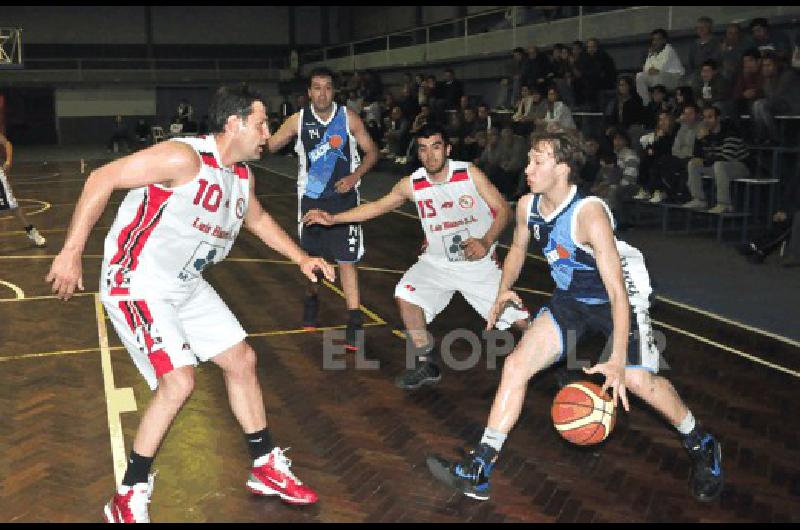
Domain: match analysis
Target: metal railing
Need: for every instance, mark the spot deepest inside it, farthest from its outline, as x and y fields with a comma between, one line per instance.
x=156, y=64
x=508, y=17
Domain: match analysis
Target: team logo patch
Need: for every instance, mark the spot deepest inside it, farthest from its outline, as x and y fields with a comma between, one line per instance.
x=454, y=245
x=203, y=256
x=466, y=202
x=240, y=208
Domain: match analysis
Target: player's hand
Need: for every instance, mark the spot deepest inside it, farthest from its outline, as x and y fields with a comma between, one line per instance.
x=311, y=266
x=65, y=274
x=318, y=217
x=503, y=300
x=475, y=249
x=615, y=379
x=346, y=184
x=6, y=167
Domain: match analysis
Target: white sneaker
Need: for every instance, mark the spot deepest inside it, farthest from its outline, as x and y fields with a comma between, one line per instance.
x=37, y=238
x=658, y=197
x=721, y=208
x=129, y=504
x=696, y=204
x=642, y=195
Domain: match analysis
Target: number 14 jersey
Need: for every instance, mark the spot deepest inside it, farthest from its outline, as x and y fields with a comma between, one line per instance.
x=163, y=238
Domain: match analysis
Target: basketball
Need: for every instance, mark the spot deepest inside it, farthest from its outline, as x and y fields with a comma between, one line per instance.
x=582, y=414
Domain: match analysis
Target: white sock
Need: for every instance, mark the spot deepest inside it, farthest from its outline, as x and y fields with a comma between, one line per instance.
x=687, y=425
x=493, y=438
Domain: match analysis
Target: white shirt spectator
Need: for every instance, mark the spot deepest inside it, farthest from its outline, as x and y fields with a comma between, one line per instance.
x=560, y=115
x=665, y=61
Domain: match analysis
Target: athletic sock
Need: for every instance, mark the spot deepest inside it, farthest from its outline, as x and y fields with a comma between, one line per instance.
x=138, y=469
x=493, y=438
x=260, y=443
x=691, y=432
x=354, y=316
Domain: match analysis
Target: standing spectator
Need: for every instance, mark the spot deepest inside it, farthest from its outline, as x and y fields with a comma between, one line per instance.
x=712, y=88
x=397, y=136
x=422, y=90
x=120, y=137
x=768, y=40
x=723, y=157
x=626, y=109
x=657, y=151
x=463, y=103
x=434, y=98
x=520, y=71
x=421, y=119
x=781, y=96
x=556, y=114
x=748, y=87
x=732, y=48
x=451, y=90
x=409, y=103
x=662, y=66
x=585, y=87
x=455, y=134
x=538, y=69
x=562, y=73
x=598, y=73
x=503, y=99
x=705, y=47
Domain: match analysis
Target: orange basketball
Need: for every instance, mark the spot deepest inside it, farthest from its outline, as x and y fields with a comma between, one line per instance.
x=582, y=415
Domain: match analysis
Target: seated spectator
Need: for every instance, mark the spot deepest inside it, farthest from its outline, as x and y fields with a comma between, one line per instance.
x=463, y=104
x=673, y=170
x=409, y=103
x=723, y=156
x=749, y=84
x=455, y=133
x=662, y=66
x=781, y=96
x=658, y=104
x=470, y=128
x=484, y=118
x=684, y=95
x=503, y=159
x=397, y=133
x=607, y=182
x=480, y=143
x=705, y=47
x=626, y=109
x=556, y=114
x=769, y=40
x=657, y=152
x=421, y=119
x=712, y=88
x=591, y=165
x=527, y=107
x=627, y=159
x=120, y=137
x=562, y=76
x=519, y=73
x=373, y=112
x=733, y=46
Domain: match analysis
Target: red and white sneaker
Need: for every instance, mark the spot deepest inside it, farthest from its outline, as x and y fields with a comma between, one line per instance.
x=271, y=475
x=129, y=504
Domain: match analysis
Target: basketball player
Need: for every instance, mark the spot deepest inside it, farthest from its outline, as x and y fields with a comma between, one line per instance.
x=601, y=284
x=462, y=215
x=189, y=198
x=328, y=177
x=7, y=200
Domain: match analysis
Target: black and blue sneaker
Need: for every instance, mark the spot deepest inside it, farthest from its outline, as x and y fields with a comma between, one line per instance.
x=706, y=478
x=471, y=476
x=355, y=326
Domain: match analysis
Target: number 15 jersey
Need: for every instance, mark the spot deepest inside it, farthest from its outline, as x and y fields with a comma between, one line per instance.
x=163, y=238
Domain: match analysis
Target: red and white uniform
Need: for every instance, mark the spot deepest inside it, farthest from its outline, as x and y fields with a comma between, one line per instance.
x=151, y=280
x=451, y=213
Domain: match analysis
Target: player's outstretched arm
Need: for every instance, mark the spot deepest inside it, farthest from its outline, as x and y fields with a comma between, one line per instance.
x=284, y=134
x=264, y=227
x=476, y=249
x=400, y=193
x=512, y=265
x=594, y=229
x=168, y=163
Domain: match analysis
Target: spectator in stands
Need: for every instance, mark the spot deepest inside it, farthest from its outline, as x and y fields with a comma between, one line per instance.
x=451, y=90
x=705, y=47
x=557, y=114
x=607, y=183
x=409, y=103
x=749, y=86
x=355, y=102
x=594, y=73
x=673, y=170
x=176, y=125
x=435, y=100
x=658, y=104
x=142, y=133
x=397, y=134
x=373, y=119
x=585, y=87
x=463, y=104
x=484, y=118
x=591, y=165
x=409, y=83
x=503, y=159
x=184, y=112
x=626, y=109
x=733, y=46
x=503, y=98
x=684, y=95
x=373, y=86
x=657, y=152
x=781, y=96
x=421, y=119
x=562, y=76
x=526, y=114
x=422, y=90
x=480, y=138
x=455, y=133
x=712, y=88
x=662, y=66
x=470, y=128
x=723, y=155
x=538, y=69
x=627, y=160
x=203, y=128
x=766, y=39
x=520, y=71
x=386, y=108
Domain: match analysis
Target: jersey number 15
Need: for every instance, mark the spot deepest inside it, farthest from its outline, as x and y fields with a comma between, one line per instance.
x=426, y=209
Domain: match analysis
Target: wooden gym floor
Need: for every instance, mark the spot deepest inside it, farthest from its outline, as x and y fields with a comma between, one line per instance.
x=71, y=400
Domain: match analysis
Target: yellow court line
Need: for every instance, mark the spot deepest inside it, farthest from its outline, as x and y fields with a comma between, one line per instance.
x=315, y=330
x=52, y=354
x=45, y=297
x=17, y=291
x=45, y=206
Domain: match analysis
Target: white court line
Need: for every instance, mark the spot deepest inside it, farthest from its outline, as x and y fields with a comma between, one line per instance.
x=17, y=291
x=118, y=400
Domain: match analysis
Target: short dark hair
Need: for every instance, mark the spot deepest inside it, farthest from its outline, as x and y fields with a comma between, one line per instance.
x=691, y=105
x=449, y=71
x=622, y=134
x=430, y=76
x=753, y=53
x=760, y=21
x=520, y=50
x=660, y=31
x=231, y=101
x=660, y=88
x=710, y=62
x=321, y=71
x=771, y=55
x=567, y=149
x=432, y=129
x=706, y=20
x=716, y=110
x=483, y=105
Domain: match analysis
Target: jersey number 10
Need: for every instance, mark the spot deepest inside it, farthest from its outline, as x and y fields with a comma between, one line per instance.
x=213, y=196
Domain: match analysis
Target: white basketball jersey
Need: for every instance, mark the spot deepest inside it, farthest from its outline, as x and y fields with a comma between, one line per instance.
x=451, y=212
x=163, y=238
